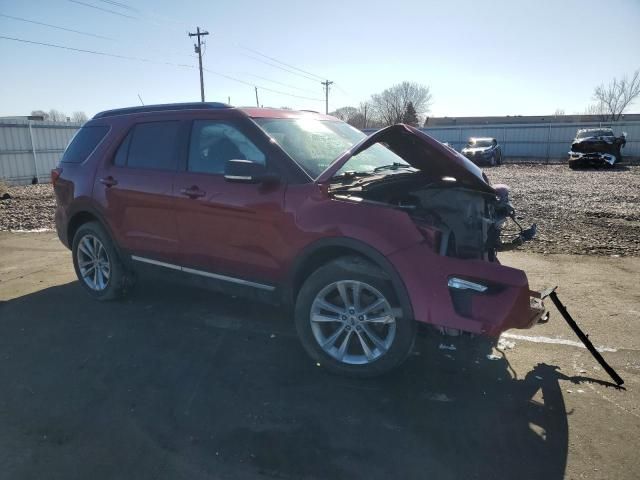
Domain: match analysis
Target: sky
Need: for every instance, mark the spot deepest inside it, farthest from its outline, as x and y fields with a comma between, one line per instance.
x=502, y=57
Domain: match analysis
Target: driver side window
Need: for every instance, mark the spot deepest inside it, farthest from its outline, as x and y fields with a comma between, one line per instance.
x=214, y=142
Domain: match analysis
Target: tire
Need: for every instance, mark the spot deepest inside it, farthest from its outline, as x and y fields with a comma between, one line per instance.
x=105, y=279
x=492, y=160
x=388, y=340
x=500, y=158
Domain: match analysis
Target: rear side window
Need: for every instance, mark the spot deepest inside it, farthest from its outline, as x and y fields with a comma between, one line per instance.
x=152, y=145
x=83, y=143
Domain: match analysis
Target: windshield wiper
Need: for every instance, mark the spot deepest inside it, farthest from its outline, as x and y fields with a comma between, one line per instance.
x=392, y=166
x=350, y=174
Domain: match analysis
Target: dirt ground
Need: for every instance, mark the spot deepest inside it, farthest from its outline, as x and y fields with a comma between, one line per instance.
x=594, y=212
x=181, y=383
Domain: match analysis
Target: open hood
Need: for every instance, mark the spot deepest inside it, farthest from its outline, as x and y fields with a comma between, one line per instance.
x=420, y=151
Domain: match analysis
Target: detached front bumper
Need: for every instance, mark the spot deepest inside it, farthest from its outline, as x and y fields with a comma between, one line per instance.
x=470, y=295
x=592, y=159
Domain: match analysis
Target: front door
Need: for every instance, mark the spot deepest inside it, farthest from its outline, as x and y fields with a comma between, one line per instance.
x=229, y=229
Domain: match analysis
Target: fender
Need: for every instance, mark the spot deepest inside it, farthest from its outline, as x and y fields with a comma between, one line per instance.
x=87, y=206
x=293, y=280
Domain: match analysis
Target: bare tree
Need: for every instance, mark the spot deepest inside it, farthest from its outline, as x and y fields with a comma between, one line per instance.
x=597, y=110
x=57, y=115
x=345, y=113
x=391, y=105
x=618, y=95
x=79, y=117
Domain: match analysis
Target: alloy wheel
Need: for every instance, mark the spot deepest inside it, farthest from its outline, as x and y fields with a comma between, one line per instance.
x=93, y=263
x=353, y=322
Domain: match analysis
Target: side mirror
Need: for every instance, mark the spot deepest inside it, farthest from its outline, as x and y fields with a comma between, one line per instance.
x=246, y=171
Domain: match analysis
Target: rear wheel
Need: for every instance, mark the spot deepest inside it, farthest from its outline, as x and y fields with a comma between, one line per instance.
x=349, y=320
x=97, y=263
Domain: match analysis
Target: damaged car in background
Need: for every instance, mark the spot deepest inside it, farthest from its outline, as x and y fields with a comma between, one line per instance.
x=596, y=147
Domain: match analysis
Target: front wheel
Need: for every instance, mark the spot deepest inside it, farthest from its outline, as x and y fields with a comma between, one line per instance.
x=492, y=160
x=349, y=319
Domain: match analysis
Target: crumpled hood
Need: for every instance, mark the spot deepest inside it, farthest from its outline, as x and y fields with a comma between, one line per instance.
x=604, y=144
x=421, y=152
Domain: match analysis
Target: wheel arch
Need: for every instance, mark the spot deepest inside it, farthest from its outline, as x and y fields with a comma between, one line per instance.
x=322, y=251
x=82, y=216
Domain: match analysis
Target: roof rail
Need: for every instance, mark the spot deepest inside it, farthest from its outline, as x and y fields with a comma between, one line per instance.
x=162, y=108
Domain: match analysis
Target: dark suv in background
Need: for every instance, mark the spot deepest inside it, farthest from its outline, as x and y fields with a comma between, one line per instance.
x=360, y=236
x=483, y=151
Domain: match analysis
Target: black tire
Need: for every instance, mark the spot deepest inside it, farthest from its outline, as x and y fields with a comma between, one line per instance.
x=353, y=268
x=492, y=160
x=499, y=158
x=118, y=280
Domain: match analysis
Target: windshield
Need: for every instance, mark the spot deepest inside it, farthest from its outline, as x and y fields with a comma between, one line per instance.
x=479, y=142
x=594, y=133
x=315, y=144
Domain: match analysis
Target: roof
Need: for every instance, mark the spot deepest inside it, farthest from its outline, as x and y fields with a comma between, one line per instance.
x=475, y=139
x=256, y=112
x=162, y=108
x=595, y=129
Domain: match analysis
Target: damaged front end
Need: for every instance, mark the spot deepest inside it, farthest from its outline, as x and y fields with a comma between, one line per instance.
x=596, y=148
x=443, y=192
x=463, y=220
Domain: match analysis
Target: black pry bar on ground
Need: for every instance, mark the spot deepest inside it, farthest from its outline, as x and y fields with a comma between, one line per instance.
x=584, y=338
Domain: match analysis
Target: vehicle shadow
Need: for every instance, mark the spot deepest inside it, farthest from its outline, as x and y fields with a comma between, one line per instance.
x=182, y=383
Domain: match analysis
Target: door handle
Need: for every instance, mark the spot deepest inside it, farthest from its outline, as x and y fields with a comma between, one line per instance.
x=108, y=181
x=193, y=192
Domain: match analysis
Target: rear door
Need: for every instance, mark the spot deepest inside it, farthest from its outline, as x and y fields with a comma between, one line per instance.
x=137, y=189
x=229, y=229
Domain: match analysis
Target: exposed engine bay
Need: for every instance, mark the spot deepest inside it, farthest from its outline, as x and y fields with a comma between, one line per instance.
x=466, y=223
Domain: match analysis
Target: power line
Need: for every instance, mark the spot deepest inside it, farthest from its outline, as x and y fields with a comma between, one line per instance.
x=279, y=83
x=260, y=87
x=104, y=9
x=159, y=62
x=317, y=77
x=20, y=19
x=121, y=5
x=95, y=52
x=279, y=67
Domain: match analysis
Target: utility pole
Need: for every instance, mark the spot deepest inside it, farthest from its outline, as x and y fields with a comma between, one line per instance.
x=326, y=84
x=257, y=102
x=198, y=50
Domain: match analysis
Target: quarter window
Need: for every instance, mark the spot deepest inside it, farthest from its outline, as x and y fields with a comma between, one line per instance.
x=83, y=143
x=213, y=143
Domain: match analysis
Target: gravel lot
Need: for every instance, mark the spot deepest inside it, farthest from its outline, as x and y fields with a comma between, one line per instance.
x=594, y=212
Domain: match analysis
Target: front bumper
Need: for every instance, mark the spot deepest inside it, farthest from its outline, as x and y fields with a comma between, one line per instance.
x=592, y=159
x=506, y=303
x=478, y=158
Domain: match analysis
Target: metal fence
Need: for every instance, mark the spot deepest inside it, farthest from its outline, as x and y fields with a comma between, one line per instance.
x=30, y=149
x=538, y=142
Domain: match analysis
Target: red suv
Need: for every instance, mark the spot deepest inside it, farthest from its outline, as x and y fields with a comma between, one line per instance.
x=362, y=237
